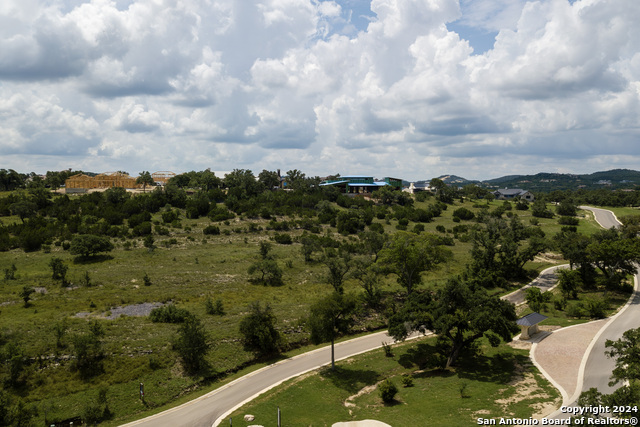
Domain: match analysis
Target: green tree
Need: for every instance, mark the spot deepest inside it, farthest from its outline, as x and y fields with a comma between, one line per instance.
x=614, y=255
x=145, y=179
x=330, y=316
x=310, y=245
x=89, y=354
x=338, y=264
x=191, y=344
x=296, y=180
x=536, y=299
x=569, y=282
x=266, y=272
x=149, y=243
x=539, y=209
x=566, y=208
x=409, y=254
x=461, y=313
x=24, y=209
x=58, y=269
x=269, y=179
x=242, y=184
x=258, y=331
x=25, y=294
x=87, y=245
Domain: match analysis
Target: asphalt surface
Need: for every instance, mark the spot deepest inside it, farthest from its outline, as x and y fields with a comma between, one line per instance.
x=596, y=366
x=218, y=404
x=214, y=407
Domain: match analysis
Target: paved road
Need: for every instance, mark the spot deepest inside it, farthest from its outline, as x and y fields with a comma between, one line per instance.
x=605, y=218
x=216, y=405
x=597, y=366
x=545, y=281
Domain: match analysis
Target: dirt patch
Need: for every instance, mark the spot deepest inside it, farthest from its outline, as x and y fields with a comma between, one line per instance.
x=525, y=385
x=366, y=390
x=548, y=257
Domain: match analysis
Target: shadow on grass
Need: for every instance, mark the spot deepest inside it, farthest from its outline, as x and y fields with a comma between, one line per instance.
x=351, y=380
x=497, y=369
x=91, y=259
x=423, y=356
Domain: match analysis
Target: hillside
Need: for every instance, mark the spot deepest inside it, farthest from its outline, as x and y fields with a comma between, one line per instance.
x=547, y=182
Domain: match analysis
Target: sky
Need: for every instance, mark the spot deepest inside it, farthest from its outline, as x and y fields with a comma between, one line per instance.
x=412, y=89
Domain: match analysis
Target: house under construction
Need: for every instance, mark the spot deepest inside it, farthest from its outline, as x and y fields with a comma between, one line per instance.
x=78, y=183
x=162, y=177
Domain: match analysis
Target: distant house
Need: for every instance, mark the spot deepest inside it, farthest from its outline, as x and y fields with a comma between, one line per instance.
x=512, y=193
x=360, y=184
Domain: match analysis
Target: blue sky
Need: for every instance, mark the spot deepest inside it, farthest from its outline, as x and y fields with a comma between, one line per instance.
x=407, y=88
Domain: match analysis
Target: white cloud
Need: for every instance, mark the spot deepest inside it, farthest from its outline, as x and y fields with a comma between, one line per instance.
x=224, y=84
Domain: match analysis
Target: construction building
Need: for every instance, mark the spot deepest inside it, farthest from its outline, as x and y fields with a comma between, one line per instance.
x=81, y=183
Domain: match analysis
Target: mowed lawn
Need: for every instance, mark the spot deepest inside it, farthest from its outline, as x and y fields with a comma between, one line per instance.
x=500, y=382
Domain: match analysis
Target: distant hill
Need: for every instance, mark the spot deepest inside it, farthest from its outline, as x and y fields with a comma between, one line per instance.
x=546, y=182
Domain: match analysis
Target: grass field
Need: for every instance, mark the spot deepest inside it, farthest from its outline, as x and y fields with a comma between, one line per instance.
x=186, y=272
x=500, y=383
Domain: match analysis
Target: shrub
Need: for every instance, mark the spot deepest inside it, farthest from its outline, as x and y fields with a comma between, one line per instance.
x=89, y=245
x=169, y=314
x=191, y=344
x=596, y=308
x=464, y=214
x=283, y=239
x=258, y=330
x=387, y=390
x=211, y=229
x=568, y=220
x=214, y=308
x=407, y=380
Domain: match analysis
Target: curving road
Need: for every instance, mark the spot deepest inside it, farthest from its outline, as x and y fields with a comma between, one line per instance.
x=596, y=366
x=214, y=407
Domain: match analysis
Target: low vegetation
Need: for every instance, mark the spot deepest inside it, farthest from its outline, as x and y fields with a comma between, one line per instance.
x=104, y=291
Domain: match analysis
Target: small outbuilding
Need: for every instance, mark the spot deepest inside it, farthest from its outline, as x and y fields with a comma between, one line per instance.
x=529, y=324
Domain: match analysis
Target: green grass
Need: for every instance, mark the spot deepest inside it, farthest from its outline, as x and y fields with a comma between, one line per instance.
x=196, y=268
x=492, y=386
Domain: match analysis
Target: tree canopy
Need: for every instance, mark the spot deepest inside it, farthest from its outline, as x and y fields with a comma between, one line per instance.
x=409, y=254
x=461, y=312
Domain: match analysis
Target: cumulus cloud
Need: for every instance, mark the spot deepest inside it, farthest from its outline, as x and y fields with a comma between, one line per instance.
x=312, y=85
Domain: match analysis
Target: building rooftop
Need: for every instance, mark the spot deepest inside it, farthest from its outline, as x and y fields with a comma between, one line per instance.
x=531, y=319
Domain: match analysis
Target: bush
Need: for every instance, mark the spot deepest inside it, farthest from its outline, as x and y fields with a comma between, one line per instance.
x=283, y=239
x=258, y=330
x=407, y=380
x=575, y=310
x=568, y=220
x=464, y=214
x=87, y=245
x=211, y=229
x=169, y=314
x=191, y=344
x=387, y=390
x=596, y=308
x=214, y=308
